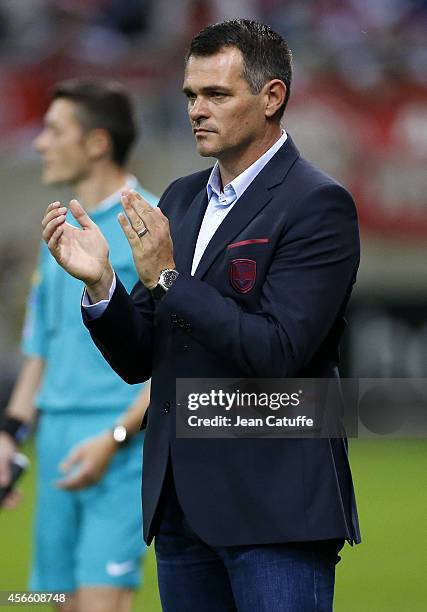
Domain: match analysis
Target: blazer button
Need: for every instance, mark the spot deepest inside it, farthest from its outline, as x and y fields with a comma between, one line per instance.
x=167, y=406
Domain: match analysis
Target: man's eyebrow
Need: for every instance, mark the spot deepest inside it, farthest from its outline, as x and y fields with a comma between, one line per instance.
x=208, y=90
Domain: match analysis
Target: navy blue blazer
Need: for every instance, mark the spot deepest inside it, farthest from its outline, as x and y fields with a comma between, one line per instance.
x=282, y=316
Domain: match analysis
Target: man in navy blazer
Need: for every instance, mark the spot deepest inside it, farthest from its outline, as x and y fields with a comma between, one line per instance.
x=245, y=271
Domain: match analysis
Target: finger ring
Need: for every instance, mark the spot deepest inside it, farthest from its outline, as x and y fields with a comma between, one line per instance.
x=142, y=232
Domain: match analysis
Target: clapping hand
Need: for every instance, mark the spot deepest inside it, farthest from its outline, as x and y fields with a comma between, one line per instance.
x=81, y=251
x=147, y=231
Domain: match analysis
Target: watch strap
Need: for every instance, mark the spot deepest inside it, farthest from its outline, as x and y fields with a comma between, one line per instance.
x=17, y=429
x=158, y=291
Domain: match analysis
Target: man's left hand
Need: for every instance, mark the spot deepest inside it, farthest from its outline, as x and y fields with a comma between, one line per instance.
x=152, y=250
x=90, y=460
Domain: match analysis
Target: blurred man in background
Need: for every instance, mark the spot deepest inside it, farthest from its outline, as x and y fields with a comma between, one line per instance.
x=87, y=527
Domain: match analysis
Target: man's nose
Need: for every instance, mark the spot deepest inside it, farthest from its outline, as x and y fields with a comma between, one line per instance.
x=39, y=142
x=198, y=109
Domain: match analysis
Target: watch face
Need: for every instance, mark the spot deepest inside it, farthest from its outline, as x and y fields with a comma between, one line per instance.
x=119, y=433
x=168, y=277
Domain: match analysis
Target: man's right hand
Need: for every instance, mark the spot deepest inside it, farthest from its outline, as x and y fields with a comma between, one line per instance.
x=7, y=451
x=82, y=252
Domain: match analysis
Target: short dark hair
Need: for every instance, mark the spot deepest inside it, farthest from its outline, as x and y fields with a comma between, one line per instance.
x=103, y=104
x=266, y=54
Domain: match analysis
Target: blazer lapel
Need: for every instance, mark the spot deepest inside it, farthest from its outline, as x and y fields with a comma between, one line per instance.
x=253, y=200
x=246, y=208
x=185, y=237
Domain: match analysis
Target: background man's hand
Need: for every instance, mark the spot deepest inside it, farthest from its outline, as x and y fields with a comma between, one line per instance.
x=82, y=252
x=90, y=460
x=7, y=451
x=12, y=500
x=152, y=252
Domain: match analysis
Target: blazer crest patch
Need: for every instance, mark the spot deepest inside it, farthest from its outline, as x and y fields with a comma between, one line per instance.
x=243, y=274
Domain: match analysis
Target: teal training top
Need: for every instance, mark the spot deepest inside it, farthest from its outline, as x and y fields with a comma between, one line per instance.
x=76, y=376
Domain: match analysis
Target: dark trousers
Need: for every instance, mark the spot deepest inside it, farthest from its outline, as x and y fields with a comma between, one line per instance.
x=196, y=577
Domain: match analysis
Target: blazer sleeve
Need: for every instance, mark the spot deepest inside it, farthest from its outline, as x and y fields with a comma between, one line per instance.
x=123, y=333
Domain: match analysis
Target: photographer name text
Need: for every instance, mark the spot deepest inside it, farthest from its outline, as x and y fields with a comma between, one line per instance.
x=238, y=421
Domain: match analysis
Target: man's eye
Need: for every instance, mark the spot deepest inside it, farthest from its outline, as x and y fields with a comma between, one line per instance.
x=217, y=94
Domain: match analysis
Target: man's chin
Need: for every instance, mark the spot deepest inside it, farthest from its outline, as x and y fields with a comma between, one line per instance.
x=205, y=151
x=50, y=180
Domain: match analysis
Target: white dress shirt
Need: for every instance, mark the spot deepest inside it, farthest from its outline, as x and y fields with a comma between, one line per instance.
x=220, y=202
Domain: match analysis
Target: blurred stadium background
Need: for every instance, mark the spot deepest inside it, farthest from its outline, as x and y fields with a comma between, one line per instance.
x=358, y=109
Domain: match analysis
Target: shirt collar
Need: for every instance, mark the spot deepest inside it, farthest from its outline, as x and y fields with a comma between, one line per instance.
x=243, y=180
x=130, y=183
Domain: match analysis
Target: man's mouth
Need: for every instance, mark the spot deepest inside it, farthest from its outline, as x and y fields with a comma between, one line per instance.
x=201, y=130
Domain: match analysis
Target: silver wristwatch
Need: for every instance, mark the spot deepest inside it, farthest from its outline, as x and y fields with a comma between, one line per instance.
x=166, y=280
x=120, y=435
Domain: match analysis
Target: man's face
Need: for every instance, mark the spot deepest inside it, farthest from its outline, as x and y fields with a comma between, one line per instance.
x=62, y=145
x=225, y=116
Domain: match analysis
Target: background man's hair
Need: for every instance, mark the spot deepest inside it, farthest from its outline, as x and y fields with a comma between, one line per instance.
x=103, y=104
x=266, y=54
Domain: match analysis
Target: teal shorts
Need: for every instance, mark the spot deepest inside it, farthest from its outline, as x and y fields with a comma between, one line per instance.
x=91, y=537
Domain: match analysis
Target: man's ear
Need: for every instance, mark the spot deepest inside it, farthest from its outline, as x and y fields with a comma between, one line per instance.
x=275, y=94
x=98, y=143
